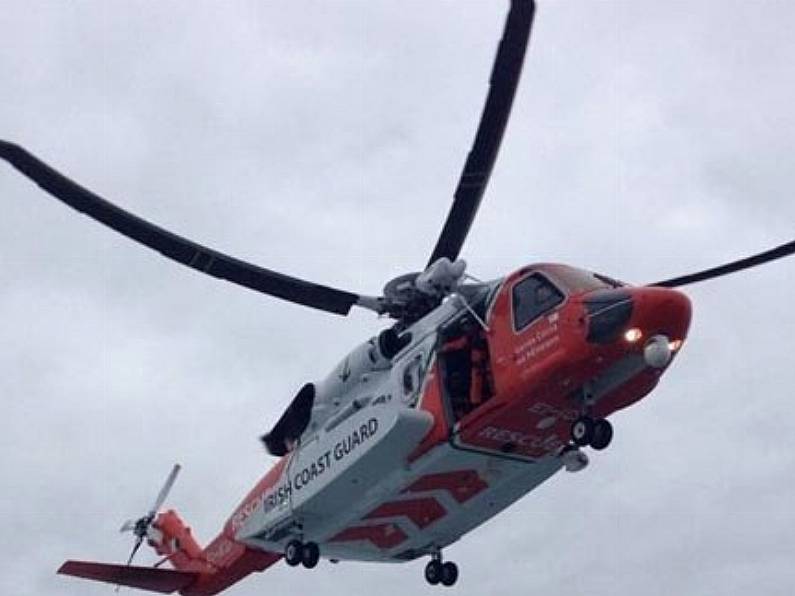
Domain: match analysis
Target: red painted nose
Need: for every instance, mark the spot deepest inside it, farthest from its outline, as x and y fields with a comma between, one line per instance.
x=661, y=311
x=636, y=313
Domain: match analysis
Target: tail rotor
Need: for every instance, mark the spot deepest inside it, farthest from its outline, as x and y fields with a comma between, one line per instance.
x=140, y=527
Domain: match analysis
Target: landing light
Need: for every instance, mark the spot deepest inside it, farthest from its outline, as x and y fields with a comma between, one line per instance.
x=633, y=335
x=675, y=344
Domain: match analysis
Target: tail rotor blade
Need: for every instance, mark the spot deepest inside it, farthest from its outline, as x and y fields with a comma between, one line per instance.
x=140, y=527
x=138, y=542
x=161, y=497
x=761, y=258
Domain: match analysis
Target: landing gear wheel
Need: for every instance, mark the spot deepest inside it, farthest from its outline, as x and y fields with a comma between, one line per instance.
x=293, y=553
x=602, y=434
x=582, y=431
x=449, y=573
x=310, y=555
x=433, y=572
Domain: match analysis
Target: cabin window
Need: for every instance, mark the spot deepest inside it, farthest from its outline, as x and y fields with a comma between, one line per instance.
x=382, y=399
x=532, y=297
x=412, y=377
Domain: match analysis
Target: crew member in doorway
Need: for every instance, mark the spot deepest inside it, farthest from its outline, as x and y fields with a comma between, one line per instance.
x=467, y=373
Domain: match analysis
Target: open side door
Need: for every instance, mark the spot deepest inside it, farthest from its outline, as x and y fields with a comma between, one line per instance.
x=292, y=424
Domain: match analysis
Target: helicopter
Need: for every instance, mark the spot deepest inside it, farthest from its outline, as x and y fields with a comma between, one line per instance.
x=478, y=393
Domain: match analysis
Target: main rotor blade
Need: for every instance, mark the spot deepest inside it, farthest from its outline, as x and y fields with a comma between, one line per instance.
x=161, y=496
x=178, y=248
x=480, y=161
x=758, y=259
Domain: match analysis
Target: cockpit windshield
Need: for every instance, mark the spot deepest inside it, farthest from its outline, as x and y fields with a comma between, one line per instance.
x=576, y=281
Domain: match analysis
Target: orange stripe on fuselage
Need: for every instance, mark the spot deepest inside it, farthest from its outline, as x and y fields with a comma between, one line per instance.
x=232, y=560
x=423, y=511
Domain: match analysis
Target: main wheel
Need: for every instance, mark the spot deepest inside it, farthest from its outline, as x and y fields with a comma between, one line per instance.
x=293, y=553
x=310, y=555
x=602, y=434
x=433, y=572
x=582, y=431
x=449, y=573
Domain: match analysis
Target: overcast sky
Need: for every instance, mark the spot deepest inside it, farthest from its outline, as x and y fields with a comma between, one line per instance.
x=324, y=139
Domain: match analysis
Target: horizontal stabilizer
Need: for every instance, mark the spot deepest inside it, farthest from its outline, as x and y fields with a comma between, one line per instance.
x=164, y=581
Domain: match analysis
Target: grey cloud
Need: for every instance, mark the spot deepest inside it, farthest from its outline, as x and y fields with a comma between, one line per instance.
x=324, y=139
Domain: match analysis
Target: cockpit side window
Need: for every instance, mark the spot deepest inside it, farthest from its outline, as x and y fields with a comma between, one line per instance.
x=532, y=297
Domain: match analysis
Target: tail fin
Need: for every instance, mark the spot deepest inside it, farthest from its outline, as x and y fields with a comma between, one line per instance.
x=164, y=581
x=172, y=539
x=196, y=572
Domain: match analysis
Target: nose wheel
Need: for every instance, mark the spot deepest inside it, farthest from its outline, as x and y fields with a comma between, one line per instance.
x=437, y=572
x=302, y=553
x=596, y=433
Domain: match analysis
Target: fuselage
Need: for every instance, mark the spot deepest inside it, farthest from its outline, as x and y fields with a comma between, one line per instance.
x=466, y=419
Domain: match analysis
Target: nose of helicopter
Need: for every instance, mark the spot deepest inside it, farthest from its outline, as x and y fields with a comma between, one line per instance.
x=656, y=318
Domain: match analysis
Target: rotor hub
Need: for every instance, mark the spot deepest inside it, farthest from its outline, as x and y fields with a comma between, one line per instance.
x=411, y=296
